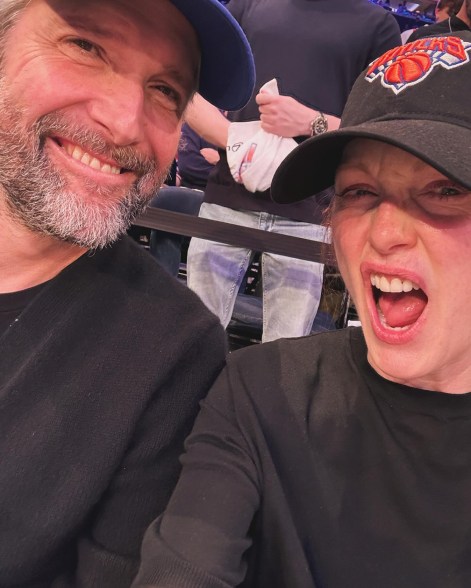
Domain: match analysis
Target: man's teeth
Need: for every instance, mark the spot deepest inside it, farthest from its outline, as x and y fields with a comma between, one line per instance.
x=80, y=155
x=392, y=284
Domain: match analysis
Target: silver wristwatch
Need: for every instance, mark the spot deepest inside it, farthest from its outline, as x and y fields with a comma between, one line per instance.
x=319, y=125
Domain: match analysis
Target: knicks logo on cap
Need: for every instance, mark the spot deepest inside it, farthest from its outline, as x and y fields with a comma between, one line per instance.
x=410, y=64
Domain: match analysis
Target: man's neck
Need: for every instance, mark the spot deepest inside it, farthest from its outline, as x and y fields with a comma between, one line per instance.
x=27, y=258
x=463, y=14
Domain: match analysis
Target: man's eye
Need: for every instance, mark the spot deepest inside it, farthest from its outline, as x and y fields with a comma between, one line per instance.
x=86, y=46
x=168, y=95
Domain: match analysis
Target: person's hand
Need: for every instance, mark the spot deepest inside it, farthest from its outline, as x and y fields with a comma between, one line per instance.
x=211, y=155
x=283, y=115
x=286, y=117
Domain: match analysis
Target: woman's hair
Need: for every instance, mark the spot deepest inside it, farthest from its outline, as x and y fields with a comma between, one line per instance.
x=9, y=13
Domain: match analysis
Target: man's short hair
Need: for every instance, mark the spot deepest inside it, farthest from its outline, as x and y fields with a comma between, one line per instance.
x=9, y=13
x=451, y=6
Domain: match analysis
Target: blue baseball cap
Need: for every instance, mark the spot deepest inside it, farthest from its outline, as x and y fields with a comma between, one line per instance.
x=227, y=76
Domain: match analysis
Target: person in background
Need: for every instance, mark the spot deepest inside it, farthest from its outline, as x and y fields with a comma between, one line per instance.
x=196, y=158
x=447, y=8
x=343, y=459
x=453, y=23
x=315, y=72
x=444, y=10
x=103, y=358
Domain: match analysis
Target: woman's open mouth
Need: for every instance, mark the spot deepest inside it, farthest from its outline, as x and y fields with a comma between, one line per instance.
x=399, y=302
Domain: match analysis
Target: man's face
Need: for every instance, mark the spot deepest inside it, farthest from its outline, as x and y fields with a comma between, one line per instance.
x=402, y=235
x=467, y=4
x=91, y=100
x=441, y=14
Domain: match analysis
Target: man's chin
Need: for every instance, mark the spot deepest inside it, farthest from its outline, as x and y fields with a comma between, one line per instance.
x=82, y=222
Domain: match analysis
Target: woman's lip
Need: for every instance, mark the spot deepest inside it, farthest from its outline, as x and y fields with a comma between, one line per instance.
x=394, y=336
x=368, y=269
x=390, y=335
x=383, y=333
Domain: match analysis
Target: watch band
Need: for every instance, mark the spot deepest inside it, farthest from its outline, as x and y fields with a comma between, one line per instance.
x=319, y=125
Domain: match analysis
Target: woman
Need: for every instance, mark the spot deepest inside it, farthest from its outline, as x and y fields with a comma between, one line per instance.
x=343, y=460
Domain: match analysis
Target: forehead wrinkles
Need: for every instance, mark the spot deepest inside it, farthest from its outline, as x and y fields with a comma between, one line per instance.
x=148, y=19
x=154, y=28
x=376, y=157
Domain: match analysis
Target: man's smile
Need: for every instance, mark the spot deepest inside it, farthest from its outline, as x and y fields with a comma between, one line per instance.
x=94, y=161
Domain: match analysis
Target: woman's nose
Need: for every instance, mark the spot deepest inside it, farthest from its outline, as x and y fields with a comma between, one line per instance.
x=392, y=227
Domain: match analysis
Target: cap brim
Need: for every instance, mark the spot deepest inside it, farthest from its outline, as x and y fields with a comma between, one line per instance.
x=311, y=167
x=227, y=76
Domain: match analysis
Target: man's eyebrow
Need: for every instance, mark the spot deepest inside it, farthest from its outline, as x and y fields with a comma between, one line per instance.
x=176, y=75
x=88, y=25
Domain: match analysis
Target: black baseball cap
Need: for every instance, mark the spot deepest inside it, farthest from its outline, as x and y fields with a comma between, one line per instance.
x=416, y=96
x=227, y=76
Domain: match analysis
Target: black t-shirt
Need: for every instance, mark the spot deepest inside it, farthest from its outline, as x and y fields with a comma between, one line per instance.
x=315, y=50
x=13, y=303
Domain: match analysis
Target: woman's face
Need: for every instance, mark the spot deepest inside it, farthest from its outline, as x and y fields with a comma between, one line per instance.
x=402, y=236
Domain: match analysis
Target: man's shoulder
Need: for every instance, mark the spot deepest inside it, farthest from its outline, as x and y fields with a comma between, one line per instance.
x=430, y=30
x=127, y=278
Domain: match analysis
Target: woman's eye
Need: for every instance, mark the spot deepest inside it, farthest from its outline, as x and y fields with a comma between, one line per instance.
x=354, y=193
x=447, y=191
x=358, y=197
x=444, y=190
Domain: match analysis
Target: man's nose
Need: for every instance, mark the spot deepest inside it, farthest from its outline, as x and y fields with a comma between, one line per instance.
x=392, y=227
x=119, y=109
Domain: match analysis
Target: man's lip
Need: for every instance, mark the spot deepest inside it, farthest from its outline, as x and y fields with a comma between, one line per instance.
x=103, y=159
x=98, y=175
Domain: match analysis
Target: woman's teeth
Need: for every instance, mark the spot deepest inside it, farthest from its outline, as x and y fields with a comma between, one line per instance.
x=392, y=284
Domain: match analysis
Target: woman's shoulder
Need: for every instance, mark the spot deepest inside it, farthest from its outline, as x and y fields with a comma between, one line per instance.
x=302, y=352
x=299, y=367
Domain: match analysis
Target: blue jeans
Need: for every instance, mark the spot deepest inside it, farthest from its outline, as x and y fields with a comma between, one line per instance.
x=166, y=247
x=291, y=287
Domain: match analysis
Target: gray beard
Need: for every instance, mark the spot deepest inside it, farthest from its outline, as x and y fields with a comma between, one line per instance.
x=37, y=195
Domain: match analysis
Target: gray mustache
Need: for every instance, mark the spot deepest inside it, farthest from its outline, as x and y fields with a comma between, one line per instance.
x=89, y=140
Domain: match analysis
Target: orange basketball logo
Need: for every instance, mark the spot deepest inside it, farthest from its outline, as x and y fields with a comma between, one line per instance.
x=408, y=68
x=410, y=64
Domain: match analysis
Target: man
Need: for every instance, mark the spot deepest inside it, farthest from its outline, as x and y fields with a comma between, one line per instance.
x=315, y=50
x=192, y=174
x=452, y=23
x=446, y=8
x=103, y=358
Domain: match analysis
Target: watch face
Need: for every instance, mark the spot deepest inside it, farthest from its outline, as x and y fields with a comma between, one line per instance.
x=320, y=125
